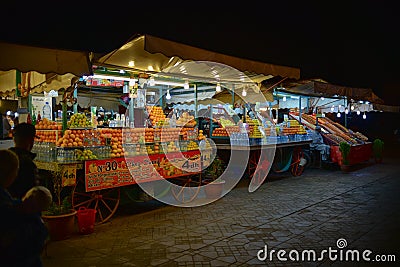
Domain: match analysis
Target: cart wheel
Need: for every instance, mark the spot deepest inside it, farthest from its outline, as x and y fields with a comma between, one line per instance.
x=104, y=201
x=297, y=169
x=297, y=166
x=188, y=189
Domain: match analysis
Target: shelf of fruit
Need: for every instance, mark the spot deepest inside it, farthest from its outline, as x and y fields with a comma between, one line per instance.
x=335, y=131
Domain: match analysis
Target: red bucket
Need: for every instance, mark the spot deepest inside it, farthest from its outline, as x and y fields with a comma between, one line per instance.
x=86, y=220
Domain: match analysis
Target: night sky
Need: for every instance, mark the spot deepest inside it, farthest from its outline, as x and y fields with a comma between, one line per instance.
x=350, y=43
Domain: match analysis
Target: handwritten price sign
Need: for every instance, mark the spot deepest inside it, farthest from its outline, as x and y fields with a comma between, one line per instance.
x=68, y=174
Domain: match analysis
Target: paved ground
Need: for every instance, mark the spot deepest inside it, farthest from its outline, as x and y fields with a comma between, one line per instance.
x=310, y=212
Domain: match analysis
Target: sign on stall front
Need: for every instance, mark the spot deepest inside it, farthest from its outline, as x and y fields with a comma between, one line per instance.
x=68, y=174
x=115, y=172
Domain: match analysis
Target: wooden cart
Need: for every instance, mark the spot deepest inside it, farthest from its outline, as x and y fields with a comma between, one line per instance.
x=97, y=183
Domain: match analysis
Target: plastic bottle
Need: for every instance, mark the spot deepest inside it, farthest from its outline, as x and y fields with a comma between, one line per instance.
x=33, y=118
x=38, y=118
x=47, y=111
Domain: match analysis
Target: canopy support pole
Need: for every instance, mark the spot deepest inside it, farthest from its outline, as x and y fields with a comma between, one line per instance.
x=233, y=95
x=300, y=109
x=75, y=106
x=195, y=102
x=345, y=115
x=131, y=113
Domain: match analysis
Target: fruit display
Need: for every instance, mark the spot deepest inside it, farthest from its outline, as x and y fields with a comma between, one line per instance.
x=186, y=120
x=50, y=136
x=47, y=124
x=255, y=132
x=79, y=120
x=225, y=122
x=201, y=136
x=71, y=138
x=156, y=115
x=192, y=145
x=85, y=154
x=232, y=129
x=220, y=132
x=336, y=131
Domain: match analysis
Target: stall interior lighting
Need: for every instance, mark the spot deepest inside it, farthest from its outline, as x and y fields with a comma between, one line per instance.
x=186, y=85
x=346, y=110
x=332, y=108
x=168, y=83
x=322, y=98
x=352, y=107
x=338, y=115
x=99, y=76
x=284, y=98
x=244, y=93
x=364, y=116
x=358, y=112
x=131, y=63
x=168, y=96
x=152, y=82
x=218, y=87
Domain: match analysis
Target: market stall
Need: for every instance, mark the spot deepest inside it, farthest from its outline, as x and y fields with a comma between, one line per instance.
x=317, y=99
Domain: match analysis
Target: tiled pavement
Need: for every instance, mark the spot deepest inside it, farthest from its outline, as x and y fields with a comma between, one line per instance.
x=310, y=212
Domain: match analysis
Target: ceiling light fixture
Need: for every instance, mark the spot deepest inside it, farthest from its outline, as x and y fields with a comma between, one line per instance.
x=244, y=93
x=284, y=98
x=186, y=85
x=152, y=82
x=338, y=115
x=110, y=77
x=218, y=87
x=364, y=116
x=358, y=112
x=131, y=63
x=346, y=110
x=168, y=96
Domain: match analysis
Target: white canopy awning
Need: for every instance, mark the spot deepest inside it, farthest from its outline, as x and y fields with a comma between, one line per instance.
x=153, y=54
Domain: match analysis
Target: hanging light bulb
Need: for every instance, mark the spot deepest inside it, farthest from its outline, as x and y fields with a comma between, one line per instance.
x=358, y=112
x=352, y=107
x=333, y=108
x=168, y=96
x=322, y=98
x=284, y=98
x=186, y=85
x=338, y=115
x=244, y=93
x=346, y=110
x=364, y=116
x=323, y=115
x=218, y=87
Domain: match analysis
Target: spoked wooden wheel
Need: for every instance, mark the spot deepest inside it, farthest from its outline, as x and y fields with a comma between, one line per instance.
x=297, y=166
x=187, y=189
x=104, y=201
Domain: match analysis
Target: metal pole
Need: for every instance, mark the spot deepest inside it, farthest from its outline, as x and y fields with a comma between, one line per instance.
x=195, y=102
x=233, y=95
x=75, y=106
x=131, y=112
x=211, y=120
x=300, y=109
x=345, y=115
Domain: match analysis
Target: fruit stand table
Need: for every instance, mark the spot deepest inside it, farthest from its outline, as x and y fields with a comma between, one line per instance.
x=96, y=183
x=286, y=155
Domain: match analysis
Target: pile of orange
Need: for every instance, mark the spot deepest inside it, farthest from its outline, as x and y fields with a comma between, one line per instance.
x=47, y=124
